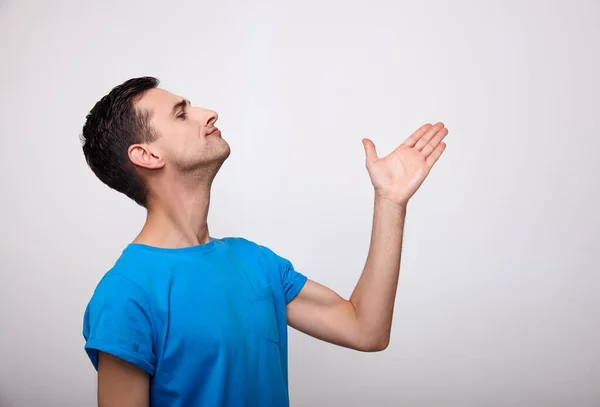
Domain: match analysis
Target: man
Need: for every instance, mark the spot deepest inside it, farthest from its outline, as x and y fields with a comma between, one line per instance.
x=186, y=319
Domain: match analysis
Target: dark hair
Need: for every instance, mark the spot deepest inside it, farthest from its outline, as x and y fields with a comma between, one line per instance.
x=110, y=128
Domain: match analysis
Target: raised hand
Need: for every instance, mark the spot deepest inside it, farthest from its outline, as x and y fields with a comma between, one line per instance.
x=398, y=175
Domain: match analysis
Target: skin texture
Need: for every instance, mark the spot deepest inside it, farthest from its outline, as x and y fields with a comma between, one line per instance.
x=179, y=168
x=121, y=383
x=364, y=322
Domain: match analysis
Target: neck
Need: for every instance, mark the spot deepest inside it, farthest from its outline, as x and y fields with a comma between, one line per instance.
x=177, y=215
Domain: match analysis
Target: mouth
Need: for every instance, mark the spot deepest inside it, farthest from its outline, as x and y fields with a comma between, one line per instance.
x=214, y=132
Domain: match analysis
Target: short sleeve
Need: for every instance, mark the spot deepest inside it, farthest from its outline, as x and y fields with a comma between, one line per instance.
x=118, y=321
x=292, y=281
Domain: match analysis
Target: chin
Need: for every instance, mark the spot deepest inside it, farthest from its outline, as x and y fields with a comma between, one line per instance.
x=218, y=156
x=226, y=150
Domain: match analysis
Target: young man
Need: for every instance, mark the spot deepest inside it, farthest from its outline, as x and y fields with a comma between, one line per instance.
x=186, y=319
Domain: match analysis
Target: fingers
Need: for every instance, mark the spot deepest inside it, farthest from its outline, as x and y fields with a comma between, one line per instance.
x=435, y=155
x=412, y=140
x=435, y=141
x=426, y=138
x=370, y=151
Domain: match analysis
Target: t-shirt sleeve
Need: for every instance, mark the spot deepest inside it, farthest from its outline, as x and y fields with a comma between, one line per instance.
x=292, y=280
x=118, y=321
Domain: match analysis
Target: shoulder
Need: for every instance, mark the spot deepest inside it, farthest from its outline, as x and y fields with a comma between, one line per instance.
x=118, y=297
x=238, y=242
x=125, y=279
x=118, y=289
x=249, y=247
x=262, y=255
x=137, y=267
x=119, y=320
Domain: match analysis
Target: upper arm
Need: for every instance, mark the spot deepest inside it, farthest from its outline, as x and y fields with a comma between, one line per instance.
x=121, y=383
x=290, y=279
x=317, y=310
x=320, y=312
x=118, y=329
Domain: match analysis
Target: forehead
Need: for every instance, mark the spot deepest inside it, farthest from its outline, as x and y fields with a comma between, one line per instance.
x=158, y=101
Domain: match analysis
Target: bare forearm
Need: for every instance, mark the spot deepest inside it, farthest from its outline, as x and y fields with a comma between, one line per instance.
x=374, y=295
x=365, y=321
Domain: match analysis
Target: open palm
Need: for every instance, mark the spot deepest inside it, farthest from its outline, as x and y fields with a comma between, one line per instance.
x=398, y=175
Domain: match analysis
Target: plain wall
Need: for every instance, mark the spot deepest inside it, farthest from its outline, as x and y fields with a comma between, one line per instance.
x=498, y=299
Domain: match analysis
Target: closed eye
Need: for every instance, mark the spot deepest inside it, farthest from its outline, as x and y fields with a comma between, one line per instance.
x=180, y=107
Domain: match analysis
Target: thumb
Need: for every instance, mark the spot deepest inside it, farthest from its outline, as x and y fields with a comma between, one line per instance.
x=370, y=151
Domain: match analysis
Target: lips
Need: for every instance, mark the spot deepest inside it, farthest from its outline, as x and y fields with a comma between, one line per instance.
x=214, y=130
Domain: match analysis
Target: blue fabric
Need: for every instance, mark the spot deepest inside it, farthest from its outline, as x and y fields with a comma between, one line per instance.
x=208, y=322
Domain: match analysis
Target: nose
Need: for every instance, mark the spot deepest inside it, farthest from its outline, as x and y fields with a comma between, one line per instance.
x=207, y=117
x=213, y=119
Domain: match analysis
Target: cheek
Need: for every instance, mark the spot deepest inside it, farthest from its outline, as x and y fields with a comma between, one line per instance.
x=192, y=146
x=189, y=138
x=184, y=143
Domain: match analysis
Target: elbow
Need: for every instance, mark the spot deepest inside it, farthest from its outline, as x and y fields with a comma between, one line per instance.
x=376, y=344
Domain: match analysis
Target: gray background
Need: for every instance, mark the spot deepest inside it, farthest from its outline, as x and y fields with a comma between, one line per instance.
x=497, y=303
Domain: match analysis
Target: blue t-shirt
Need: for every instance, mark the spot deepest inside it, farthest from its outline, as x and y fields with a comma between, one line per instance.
x=208, y=322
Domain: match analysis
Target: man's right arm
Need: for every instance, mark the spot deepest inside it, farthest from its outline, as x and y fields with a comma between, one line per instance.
x=121, y=384
x=118, y=329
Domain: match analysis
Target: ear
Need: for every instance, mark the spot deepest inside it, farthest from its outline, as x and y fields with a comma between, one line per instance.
x=142, y=156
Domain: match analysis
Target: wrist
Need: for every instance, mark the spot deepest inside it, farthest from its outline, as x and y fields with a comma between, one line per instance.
x=384, y=200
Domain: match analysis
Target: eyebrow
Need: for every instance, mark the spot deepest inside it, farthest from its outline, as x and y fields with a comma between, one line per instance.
x=179, y=105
